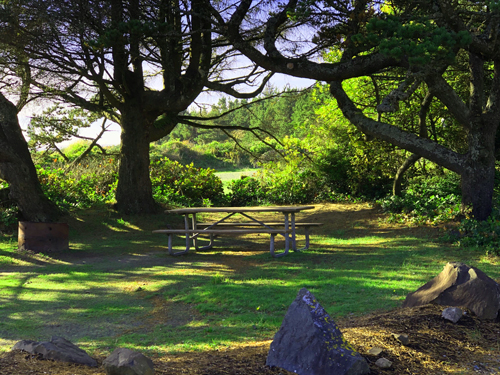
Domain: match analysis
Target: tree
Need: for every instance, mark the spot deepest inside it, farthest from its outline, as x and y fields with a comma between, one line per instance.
x=16, y=165
x=108, y=56
x=425, y=39
x=57, y=124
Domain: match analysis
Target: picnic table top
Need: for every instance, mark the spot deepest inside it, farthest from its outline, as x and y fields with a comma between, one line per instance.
x=284, y=209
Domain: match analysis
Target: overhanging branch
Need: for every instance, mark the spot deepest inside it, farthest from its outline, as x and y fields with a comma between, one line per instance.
x=392, y=134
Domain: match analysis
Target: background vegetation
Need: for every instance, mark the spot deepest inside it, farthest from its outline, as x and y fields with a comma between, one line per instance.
x=315, y=155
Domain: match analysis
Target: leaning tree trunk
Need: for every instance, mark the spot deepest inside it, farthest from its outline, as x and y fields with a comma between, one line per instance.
x=17, y=168
x=134, y=193
x=398, y=179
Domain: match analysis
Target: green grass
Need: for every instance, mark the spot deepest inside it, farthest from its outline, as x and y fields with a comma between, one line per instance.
x=117, y=287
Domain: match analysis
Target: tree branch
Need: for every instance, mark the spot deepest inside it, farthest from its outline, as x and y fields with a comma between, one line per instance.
x=390, y=133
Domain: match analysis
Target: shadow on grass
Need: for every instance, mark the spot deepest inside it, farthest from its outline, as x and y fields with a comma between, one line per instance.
x=119, y=287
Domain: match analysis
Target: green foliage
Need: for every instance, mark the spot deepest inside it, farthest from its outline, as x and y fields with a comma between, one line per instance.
x=82, y=187
x=8, y=217
x=289, y=186
x=94, y=182
x=246, y=192
x=430, y=200
x=419, y=39
x=484, y=234
x=185, y=184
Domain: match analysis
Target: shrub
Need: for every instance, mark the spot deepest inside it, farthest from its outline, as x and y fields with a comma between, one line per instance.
x=185, y=184
x=334, y=168
x=8, y=217
x=473, y=233
x=290, y=186
x=86, y=185
x=246, y=192
x=433, y=200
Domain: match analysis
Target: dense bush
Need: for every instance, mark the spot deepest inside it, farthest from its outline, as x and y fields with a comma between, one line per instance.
x=8, y=217
x=473, y=233
x=185, y=184
x=94, y=182
x=87, y=184
x=246, y=192
x=434, y=199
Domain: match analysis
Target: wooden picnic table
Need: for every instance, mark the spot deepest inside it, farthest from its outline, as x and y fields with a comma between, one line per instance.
x=193, y=229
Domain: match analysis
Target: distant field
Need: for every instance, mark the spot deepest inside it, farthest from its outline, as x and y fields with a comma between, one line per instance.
x=227, y=177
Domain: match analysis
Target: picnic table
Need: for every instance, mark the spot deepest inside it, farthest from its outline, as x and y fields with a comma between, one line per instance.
x=193, y=229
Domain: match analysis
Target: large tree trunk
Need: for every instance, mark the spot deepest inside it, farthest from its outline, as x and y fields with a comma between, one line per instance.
x=17, y=168
x=478, y=177
x=134, y=193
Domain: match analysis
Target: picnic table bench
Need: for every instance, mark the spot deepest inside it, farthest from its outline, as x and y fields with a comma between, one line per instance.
x=286, y=228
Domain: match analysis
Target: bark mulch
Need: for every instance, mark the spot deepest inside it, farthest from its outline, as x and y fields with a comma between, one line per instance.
x=435, y=346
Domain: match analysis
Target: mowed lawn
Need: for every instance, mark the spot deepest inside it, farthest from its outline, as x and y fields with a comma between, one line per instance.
x=118, y=287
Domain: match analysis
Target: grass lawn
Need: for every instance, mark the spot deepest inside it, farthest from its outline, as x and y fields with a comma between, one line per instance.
x=117, y=287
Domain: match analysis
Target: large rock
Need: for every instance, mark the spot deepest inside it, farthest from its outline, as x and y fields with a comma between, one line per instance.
x=310, y=343
x=127, y=362
x=461, y=286
x=57, y=349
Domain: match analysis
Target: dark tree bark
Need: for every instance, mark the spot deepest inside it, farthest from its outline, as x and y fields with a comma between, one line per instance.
x=134, y=193
x=17, y=168
x=398, y=179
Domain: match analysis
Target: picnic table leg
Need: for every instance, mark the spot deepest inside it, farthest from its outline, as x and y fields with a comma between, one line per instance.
x=195, y=237
x=294, y=238
x=273, y=235
x=287, y=240
x=170, y=249
x=306, y=230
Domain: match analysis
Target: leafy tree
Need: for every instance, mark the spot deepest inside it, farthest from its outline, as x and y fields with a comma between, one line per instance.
x=427, y=40
x=57, y=124
x=108, y=56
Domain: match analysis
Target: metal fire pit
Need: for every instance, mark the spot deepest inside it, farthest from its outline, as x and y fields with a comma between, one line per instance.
x=43, y=237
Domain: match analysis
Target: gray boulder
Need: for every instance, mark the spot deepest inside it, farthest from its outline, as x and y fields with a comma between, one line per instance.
x=460, y=285
x=310, y=343
x=57, y=349
x=128, y=362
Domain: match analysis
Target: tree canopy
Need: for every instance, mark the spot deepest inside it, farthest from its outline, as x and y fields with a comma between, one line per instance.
x=141, y=63
x=418, y=43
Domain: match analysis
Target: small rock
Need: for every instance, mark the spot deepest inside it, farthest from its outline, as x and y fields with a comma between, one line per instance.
x=127, y=362
x=452, y=314
x=375, y=351
x=383, y=363
x=402, y=338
